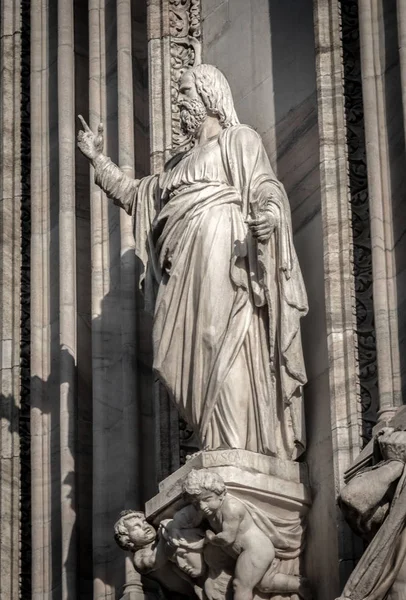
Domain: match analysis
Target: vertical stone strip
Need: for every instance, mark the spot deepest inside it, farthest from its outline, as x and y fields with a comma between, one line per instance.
x=24, y=420
x=159, y=67
x=40, y=310
x=339, y=280
x=401, y=11
x=67, y=292
x=128, y=279
x=127, y=266
x=10, y=265
x=337, y=239
x=361, y=230
x=383, y=256
x=100, y=253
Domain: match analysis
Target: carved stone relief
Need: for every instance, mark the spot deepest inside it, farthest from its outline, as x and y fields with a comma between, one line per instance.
x=203, y=537
x=360, y=217
x=184, y=19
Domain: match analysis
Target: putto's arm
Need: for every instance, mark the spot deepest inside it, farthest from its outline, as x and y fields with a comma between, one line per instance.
x=232, y=518
x=118, y=186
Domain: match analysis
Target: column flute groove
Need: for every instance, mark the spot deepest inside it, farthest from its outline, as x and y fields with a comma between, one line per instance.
x=67, y=291
x=131, y=417
x=100, y=288
x=40, y=313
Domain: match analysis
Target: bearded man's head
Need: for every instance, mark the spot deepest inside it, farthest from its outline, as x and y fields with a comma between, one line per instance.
x=193, y=113
x=211, y=95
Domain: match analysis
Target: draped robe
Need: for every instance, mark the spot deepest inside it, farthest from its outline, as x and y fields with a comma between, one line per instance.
x=226, y=334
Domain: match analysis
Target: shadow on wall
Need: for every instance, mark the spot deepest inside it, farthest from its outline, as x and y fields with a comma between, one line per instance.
x=298, y=165
x=59, y=498
x=114, y=464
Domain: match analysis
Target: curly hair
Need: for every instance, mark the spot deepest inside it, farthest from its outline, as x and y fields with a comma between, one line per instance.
x=198, y=481
x=121, y=532
x=215, y=92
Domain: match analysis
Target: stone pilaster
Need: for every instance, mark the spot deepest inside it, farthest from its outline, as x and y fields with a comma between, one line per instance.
x=10, y=314
x=376, y=90
x=67, y=295
x=338, y=269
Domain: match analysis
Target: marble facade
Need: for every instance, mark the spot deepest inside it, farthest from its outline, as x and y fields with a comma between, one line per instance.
x=80, y=407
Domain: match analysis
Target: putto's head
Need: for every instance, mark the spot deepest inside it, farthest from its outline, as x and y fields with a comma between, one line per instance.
x=203, y=90
x=204, y=489
x=132, y=531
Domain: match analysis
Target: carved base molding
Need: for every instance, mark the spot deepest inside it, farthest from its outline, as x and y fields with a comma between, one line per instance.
x=276, y=482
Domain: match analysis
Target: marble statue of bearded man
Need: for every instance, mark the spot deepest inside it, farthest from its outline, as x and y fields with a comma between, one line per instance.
x=214, y=233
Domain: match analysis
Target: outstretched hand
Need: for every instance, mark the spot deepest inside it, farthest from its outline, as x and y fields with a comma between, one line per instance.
x=90, y=144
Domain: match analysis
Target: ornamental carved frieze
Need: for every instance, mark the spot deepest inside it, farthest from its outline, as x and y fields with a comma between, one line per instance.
x=358, y=180
x=185, y=30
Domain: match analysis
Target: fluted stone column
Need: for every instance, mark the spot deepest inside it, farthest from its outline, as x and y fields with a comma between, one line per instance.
x=67, y=293
x=106, y=403
x=10, y=314
x=128, y=276
x=381, y=195
x=40, y=312
x=85, y=413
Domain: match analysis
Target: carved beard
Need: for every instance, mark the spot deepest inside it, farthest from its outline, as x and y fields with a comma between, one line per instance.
x=192, y=116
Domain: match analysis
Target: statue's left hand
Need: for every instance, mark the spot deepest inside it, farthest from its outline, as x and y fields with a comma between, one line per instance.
x=262, y=226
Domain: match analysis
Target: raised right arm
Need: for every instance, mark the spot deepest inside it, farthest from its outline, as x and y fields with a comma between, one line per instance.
x=108, y=176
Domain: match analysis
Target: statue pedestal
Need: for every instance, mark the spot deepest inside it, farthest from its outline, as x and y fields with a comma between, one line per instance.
x=276, y=495
x=229, y=524
x=276, y=486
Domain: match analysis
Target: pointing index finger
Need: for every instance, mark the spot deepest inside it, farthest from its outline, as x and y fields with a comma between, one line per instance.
x=84, y=124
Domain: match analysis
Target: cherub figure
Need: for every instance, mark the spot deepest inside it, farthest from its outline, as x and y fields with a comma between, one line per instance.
x=175, y=568
x=234, y=530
